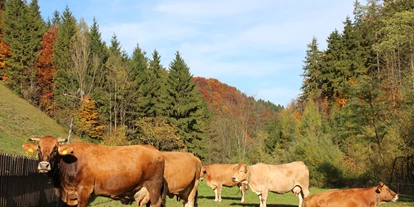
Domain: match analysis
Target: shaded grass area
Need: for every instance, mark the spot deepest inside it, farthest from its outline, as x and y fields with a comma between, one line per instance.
x=20, y=120
x=232, y=196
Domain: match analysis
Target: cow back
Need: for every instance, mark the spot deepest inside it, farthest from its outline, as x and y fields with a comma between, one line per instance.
x=279, y=178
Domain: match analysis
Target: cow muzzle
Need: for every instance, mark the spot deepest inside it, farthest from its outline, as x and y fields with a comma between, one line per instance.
x=43, y=167
x=395, y=198
x=234, y=179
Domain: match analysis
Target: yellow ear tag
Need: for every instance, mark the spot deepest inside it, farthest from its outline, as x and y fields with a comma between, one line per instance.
x=30, y=150
x=64, y=152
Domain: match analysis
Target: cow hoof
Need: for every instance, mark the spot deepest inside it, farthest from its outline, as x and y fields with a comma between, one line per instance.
x=126, y=201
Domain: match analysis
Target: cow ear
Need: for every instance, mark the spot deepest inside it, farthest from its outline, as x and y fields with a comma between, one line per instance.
x=65, y=149
x=29, y=147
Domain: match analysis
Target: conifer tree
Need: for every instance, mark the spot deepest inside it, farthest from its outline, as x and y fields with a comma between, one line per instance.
x=185, y=107
x=155, y=85
x=36, y=29
x=139, y=72
x=65, y=83
x=23, y=29
x=312, y=83
x=97, y=70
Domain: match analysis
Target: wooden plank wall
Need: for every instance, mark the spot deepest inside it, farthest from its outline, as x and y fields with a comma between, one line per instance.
x=22, y=186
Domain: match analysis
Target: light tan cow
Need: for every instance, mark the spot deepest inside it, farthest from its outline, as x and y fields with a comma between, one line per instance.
x=355, y=197
x=182, y=172
x=280, y=179
x=218, y=175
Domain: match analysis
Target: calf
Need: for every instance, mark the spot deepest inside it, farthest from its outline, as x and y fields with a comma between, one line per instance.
x=280, y=179
x=218, y=175
x=355, y=197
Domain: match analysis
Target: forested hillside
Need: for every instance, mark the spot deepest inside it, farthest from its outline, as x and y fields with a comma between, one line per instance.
x=354, y=117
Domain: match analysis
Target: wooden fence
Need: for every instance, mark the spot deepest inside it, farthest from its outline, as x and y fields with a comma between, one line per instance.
x=22, y=186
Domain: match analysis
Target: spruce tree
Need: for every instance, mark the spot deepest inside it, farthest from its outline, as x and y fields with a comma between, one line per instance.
x=155, y=85
x=36, y=29
x=97, y=70
x=185, y=107
x=23, y=29
x=312, y=73
x=14, y=25
x=139, y=66
x=65, y=83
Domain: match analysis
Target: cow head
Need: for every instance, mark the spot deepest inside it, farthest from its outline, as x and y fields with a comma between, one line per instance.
x=385, y=194
x=240, y=173
x=47, y=149
x=203, y=172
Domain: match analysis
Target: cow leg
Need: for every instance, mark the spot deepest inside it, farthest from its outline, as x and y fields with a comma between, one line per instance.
x=191, y=198
x=157, y=194
x=83, y=196
x=215, y=194
x=243, y=192
x=219, y=187
x=263, y=198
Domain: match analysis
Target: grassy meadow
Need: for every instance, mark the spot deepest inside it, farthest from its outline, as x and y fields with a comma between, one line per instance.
x=231, y=197
x=19, y=121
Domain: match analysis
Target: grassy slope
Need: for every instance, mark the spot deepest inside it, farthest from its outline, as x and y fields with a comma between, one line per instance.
x=19, y=120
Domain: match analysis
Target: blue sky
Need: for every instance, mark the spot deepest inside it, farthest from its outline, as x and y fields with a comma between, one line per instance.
x=257, y=46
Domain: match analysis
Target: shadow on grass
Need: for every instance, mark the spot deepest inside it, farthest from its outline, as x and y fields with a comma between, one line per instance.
x=257, y=204
x=222, y=198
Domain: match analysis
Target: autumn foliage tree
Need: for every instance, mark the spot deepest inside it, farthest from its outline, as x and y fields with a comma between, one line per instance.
x=158, y=133
x=88, y=118
x=45, y=73
x=4, y=48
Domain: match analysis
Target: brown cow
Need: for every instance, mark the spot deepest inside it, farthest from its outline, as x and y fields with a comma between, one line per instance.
x=182, y=174
x=280, y=179
x=218, y=175
x=77, y=170
x=355, y=197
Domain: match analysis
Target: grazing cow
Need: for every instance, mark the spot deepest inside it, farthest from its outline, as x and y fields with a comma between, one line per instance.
x=280, y=179
x=355, y=197
x=79, y=169
x=218, y=175
x=182, y=174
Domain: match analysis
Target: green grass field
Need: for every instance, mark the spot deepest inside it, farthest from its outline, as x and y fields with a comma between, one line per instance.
x=231, y=197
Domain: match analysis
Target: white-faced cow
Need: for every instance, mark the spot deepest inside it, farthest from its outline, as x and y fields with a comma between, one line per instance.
x=355, y=197
x=219, y=175
x=280, y=179
x=77, y=170
x=181, y=174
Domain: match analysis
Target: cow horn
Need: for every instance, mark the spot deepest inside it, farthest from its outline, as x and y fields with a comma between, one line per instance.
x=62, y=140
x=36, y=139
